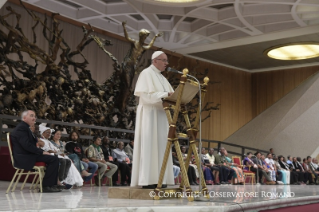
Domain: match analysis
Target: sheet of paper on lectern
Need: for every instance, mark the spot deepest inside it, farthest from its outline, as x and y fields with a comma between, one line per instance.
x=189, y=92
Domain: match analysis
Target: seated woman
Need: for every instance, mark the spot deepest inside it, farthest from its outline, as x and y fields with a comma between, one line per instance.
x=61, y=145
x=238, y=172
x=208, y=174
x=124, y=163
x=290, y=174
x=68, y=173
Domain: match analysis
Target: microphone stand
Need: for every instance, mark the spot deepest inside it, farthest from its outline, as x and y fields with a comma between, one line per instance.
x=200, y=132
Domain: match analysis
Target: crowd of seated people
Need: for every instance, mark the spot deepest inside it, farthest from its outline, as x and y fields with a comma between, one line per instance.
x=75, y=165
x=68, y=161
x=219, y=169
x=279, y=170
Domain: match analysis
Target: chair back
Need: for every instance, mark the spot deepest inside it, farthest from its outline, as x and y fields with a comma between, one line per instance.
x=237, y=160
x=10, y=148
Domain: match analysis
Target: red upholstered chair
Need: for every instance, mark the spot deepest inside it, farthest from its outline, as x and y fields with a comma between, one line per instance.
x=249, y=173
x=39, y=168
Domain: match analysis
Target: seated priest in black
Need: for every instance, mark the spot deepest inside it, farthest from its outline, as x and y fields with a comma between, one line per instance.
x=26, y=153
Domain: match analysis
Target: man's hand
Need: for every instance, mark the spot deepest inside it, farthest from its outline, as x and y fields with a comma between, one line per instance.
x=85, y=160
x=123, y=23
x=46, y=153
x=103, y=161
x=170, y=93
x=40, y=143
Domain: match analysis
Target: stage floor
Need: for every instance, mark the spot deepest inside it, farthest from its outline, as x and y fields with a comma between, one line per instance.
x=249, y=198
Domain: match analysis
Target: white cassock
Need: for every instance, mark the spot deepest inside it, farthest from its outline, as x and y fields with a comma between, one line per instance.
x=151, y=130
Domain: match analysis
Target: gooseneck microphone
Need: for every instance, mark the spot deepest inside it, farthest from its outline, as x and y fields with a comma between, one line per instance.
x=169, y=69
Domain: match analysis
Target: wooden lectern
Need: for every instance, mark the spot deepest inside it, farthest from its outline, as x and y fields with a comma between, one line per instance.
x=185, y=92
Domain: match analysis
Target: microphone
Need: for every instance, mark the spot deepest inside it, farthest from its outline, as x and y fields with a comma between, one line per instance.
x=169, y=69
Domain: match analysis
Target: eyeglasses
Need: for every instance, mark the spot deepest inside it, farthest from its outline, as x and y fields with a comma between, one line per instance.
x=164, y=60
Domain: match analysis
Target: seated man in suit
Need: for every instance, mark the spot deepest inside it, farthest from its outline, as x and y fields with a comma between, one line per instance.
x=26, y=154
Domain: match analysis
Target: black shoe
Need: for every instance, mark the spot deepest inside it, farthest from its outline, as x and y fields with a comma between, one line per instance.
x=149, y=187
x=116, y=184
x=227, y=182
x=55, y=187
x=222, y=183
x=48, y=189
x=164, y=186
x=60, y=186
x=216, y=183
x=124, y=184
x=68, y=186
x=192, y=183
x=195, y=183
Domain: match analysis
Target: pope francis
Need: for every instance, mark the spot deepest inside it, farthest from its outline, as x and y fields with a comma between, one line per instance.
x=151, y=126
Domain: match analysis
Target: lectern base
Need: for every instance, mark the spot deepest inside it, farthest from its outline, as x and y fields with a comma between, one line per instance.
x=145, y=194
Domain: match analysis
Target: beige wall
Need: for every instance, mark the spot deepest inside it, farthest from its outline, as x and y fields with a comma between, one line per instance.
x=290, y=125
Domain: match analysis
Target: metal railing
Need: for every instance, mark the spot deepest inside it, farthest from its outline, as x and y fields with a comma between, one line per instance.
x=12, y=121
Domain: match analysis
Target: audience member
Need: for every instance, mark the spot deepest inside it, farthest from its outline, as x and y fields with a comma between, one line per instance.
x=190, y=171
x=315, y=164
x=289, y=162
x=124, y=163
x=108, y=157
x=213, y=166
x=225, y=172
x=312, y=169
x=208, y=174
x=282, y=174
x=275, y=175
x=293, y=174
x=95, y=154
x=129, y=149
x=238, y=175
x=73, y=146
x=183, y=150
x=269, y=168
x=26, y=154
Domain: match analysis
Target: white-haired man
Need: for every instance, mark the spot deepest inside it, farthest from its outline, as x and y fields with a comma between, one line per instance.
x=151, y=126
x=26, y=154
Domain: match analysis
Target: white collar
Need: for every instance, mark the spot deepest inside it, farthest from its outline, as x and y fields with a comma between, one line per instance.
x=155, y=69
